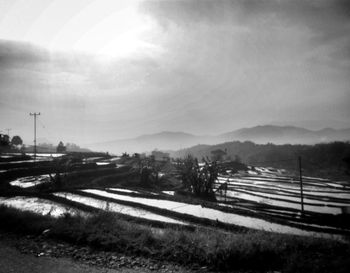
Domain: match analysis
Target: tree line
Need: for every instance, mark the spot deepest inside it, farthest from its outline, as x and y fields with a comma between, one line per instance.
x=325, y=159
x=7, y=143
x=15, y=144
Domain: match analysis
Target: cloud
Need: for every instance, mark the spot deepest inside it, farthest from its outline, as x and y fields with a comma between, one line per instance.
x=262, y=57
x=326, y=22
x=32, y=77
x=14, y=54
x=222, y=65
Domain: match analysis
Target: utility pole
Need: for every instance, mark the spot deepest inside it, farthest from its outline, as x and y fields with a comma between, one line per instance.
x=301, y=187
x=34, y=114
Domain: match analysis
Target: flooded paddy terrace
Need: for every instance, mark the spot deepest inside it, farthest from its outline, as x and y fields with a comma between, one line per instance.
x=264, y=200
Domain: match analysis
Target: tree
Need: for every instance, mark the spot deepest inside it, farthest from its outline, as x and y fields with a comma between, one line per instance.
x=149, y=169
x=238, y=159
x=217, y=155
x=199, y=179
x=60, y=148
x=125, y=155
x=23, y=149
x=156, y=167
x=16, y=141
x=145, y=176
x=4, y=140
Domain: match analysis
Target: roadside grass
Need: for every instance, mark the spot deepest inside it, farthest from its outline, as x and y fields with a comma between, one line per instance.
x=23, y=222
x=218, y=250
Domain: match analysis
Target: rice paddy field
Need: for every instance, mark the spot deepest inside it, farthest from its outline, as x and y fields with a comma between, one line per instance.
x=260, y=198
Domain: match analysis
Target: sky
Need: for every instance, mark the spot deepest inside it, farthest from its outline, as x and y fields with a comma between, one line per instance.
x=104, y=70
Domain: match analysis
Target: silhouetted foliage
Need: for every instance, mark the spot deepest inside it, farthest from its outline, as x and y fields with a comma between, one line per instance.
x=217, y=155
x=16, y=141
x=125, y=155
x=4, y=140
x=326, y=159
x=145, y=176
x=56, y=180
x=199, y=179
x=61, y=148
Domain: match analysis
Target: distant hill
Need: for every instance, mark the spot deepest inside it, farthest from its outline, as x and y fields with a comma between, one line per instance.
x=286, y=135
x=147, y=143
x=50, y=148
x=259, y=134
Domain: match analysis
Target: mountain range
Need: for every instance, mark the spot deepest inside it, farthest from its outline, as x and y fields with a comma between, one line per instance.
x=259, y=134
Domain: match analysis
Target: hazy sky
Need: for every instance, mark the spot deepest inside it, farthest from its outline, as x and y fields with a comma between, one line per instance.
x=104, y=70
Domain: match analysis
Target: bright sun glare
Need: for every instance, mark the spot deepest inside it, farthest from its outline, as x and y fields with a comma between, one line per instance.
x=117, y=35
x=116, y=32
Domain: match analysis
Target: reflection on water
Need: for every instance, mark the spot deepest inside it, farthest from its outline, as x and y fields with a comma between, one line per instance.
x=30, y=181
x=268, y=184
x=212, y=214
x=114, y=207
x=37, y=205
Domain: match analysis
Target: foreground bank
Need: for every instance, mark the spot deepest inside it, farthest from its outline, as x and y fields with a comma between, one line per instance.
x=202, y=247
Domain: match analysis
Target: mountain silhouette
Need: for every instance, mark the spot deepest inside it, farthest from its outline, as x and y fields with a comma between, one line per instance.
x=168, y=140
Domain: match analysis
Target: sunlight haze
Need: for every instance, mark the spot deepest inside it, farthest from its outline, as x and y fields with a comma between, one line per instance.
x=105, y=70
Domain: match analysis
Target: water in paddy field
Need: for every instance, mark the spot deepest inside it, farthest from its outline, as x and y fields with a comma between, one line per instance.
x=46, y=154
x=38, y=205
x=197, y=211
x=123, y=190
x=274, y=189
x=114, y=207
x=30, y=181
x=46, y=207
x=169, y=192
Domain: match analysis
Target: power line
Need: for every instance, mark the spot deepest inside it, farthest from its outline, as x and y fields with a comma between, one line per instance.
x=50, y=135
x=8, y=131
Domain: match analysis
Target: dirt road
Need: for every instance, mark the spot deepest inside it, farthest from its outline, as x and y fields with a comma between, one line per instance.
x=11, y=260
x=20, y=254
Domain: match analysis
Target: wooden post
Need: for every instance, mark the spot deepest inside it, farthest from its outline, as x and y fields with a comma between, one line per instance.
x=301, y=187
